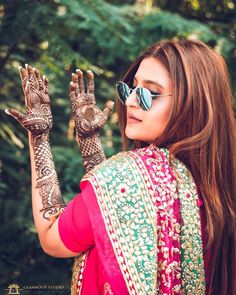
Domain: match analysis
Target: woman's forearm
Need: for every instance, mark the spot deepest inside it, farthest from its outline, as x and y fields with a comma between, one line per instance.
x=47, y=200
x=92, y=151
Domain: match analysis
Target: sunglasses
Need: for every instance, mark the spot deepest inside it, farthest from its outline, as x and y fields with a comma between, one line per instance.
x=144, y=95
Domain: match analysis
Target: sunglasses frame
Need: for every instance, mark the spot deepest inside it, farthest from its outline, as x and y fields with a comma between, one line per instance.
x=142, y=103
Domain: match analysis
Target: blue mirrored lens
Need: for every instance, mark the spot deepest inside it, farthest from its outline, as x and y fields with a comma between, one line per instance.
x=123, y=91
x=145, y=98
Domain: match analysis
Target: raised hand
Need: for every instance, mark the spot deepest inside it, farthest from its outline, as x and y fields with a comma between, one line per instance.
x=38, y=117
x=38, y=120
x=87, y=116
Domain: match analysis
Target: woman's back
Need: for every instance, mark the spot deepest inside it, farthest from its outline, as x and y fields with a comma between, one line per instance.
x=201, y=133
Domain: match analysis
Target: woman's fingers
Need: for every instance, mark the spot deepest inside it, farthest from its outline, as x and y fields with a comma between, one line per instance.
x=31, y=81
x=31, y=78
x=107, y=110
x=39, y=79
x=45, y=81
x=76, y=89
x=15, y=114
x=75, y=79
x=77, y=83
x=103, y=115
x=90, y=82
x=24, y=79
x=109, y=105
x=80, y=77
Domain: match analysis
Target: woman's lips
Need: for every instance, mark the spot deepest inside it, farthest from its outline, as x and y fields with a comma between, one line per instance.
x=132, y=119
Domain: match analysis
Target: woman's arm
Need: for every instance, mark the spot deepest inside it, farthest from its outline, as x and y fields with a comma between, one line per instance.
x=47, y=201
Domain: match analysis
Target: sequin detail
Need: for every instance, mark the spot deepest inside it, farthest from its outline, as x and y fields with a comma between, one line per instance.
x=137, y=193
x=130, y=220
x=192, y=263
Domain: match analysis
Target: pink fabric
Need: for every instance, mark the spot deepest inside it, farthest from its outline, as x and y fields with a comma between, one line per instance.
x=77, y=234
x=75, y=227
x=167, y=280
x=82, y=228
x=112, y=274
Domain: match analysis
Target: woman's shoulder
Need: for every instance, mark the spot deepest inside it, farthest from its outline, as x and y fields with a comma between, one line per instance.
x=124, y=161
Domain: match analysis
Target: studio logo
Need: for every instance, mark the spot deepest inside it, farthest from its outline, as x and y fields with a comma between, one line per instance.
x=13, y=289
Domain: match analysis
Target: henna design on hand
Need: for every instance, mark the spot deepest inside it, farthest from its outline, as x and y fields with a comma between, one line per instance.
x=89, y=119
x=38, y=121
x=87, y=116
x=38, y=117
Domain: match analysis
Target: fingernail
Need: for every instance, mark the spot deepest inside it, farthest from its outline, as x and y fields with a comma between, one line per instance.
x=79, y=72
x=89, y=71
x=44, y=77
x=7, y=111
x=33, y=69
x=20, y=67
x=71, y=83
x=26, y=66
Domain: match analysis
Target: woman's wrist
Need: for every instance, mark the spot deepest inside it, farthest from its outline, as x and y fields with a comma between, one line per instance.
x=91, y=151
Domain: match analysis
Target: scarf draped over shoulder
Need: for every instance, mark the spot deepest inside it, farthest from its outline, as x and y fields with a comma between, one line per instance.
x=146, y=223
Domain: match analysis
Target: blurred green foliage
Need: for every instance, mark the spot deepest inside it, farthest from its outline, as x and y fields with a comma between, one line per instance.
x=58, y=36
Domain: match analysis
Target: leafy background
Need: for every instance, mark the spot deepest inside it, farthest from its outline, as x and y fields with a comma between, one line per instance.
x=58, y=36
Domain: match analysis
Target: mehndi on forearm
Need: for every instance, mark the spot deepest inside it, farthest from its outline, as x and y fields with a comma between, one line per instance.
x=91, y=151
x=46, y=178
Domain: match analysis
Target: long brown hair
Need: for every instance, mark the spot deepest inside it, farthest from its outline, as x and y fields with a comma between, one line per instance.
x=201, y=133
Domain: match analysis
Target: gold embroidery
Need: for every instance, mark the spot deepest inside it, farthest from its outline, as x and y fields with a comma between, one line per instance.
x=107, y=289
x=130, y=219
x=132, y=190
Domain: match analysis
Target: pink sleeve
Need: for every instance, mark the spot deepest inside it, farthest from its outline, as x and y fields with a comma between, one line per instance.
x=74, y=226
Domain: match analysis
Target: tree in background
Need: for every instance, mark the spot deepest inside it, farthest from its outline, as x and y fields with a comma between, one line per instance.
x=58, y=36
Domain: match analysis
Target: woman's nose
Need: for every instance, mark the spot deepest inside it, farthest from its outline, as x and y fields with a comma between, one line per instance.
x=132, y=99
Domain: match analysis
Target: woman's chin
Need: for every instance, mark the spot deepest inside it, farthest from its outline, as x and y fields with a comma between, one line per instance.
x=130, y=134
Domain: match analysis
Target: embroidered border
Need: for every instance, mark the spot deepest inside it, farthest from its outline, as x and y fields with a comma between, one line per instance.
x=127, y=211
x=192, y=263
x=168, y=222
x=120, y=186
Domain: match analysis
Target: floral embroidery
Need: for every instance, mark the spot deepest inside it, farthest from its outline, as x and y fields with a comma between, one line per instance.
x=130, y=219
x=138, y=193
x=192, y=266
x=168, y=224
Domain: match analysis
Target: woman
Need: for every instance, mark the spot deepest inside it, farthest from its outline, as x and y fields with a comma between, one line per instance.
x=160, y=218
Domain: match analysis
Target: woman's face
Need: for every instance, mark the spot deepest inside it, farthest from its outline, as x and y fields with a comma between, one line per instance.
x=148, y=125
